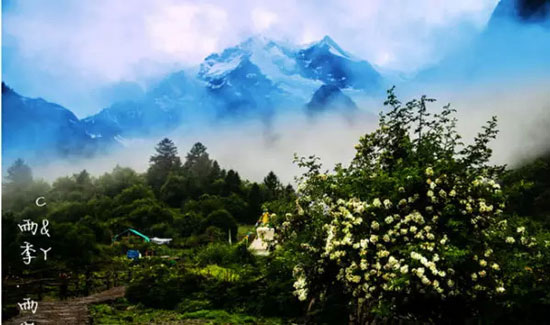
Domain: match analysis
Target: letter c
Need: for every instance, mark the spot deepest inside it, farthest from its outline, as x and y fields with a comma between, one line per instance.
x=40, y=202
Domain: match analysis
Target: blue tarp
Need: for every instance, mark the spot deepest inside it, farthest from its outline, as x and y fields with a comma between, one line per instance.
x=132, y=254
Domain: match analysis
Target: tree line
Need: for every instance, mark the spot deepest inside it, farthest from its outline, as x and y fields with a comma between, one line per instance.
x=192, y=201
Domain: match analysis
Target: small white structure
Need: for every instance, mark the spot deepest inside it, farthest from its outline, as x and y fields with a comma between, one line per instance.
x=263, y=236
x=161, y=241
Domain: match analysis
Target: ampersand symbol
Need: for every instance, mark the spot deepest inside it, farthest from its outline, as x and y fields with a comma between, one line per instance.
x=44, y=230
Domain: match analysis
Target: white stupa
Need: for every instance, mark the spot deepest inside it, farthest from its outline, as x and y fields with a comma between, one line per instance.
x=264, y=234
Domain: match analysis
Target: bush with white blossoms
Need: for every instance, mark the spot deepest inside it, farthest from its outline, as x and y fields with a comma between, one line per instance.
x=416, y=215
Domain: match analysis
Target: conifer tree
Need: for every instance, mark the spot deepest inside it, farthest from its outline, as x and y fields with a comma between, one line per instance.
x=166, y=160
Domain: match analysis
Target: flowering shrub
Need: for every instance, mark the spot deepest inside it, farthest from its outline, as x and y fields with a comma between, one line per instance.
x=416, y=215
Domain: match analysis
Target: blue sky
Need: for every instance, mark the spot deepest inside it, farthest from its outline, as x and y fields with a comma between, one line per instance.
x=85, y=54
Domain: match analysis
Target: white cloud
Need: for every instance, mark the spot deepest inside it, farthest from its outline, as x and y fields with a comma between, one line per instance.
x=253, y=153
x=188, y=32
x=77, y=46
x=263, y=19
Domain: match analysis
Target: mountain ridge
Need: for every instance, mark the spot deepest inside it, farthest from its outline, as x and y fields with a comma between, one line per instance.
x=256, y=78
x=34, y=128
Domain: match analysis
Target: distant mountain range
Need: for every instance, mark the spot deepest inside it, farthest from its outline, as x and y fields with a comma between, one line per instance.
x=257, y=78
x=38, y=130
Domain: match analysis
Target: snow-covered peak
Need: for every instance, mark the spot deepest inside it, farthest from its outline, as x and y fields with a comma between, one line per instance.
x=330, y=45
x=296, y=70
x=274, y=58
x=215, y=67
x=257, y=49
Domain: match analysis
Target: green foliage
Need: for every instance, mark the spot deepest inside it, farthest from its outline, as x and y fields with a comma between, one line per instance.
x=134, y=193
x=528, y=189
x=191, y=305
x=223, y=220
x=164, y=162
x=272, y=291
x=416, y=219
x=171, y=192
x=78, y=187
x=223, y=317
x=207, y=204
x=214, y=234
x=159, y=286
x=224, y=255
x=77, y=249
x=188, y=224
x=238, y=286
x=111, y=184
x=191, y=311
x=68, y=211
x=273, y=185
x=237, y=207
x=19, y=174
x=19, y=190
x=197, y=161
x=254, y=201
x=232, y=183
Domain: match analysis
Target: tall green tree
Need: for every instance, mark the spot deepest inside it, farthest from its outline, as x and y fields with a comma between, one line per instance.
x=198, y=164
x=20, y=190
x=273, y=185
x=232, y=183
x=19, y=174
x=254, y=201
x=165, y=161
x=215, y=179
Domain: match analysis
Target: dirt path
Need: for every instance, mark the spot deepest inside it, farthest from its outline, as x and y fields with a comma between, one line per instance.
x=67, y=312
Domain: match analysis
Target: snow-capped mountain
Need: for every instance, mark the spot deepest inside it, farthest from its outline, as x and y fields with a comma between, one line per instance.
x=272, y=63
x=254, y=79
x=326, y=61
x=236, y=84
x=294, y=72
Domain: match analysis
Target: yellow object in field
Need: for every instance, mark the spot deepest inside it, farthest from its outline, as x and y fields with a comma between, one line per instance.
x=265, y=218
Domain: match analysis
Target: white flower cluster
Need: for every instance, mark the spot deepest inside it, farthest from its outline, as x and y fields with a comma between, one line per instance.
x=368, y=254
x=300, y=284
x=381, y=247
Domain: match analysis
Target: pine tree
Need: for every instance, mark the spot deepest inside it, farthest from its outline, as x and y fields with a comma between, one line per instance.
x=273, y=185
x=254, y=201
x=166, y=160
x=198, y=164
x=19, y=174
x=20, y=189
x=195, y=155
x=214, y=179
x=232, y=183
